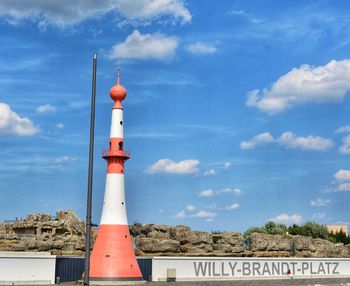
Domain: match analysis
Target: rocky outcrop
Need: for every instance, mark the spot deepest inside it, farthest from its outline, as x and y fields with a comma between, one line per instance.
x=65, y=234
x=40, y=232
x=179, y=240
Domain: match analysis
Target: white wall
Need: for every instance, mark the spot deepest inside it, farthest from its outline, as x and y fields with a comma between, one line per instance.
x=218, y=268
x=19, y=268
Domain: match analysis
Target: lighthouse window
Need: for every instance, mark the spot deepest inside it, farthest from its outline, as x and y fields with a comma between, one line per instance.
x=121, y=122
x=120, y=145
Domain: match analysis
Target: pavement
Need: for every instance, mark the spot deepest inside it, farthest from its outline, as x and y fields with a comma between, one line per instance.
x=296, y=282
x=287, y=282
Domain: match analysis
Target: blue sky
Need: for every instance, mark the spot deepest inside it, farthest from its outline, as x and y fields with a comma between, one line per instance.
x=237, y=111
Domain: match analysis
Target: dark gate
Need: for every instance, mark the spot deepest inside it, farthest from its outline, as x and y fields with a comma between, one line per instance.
x=71, y=268
x=145, y=264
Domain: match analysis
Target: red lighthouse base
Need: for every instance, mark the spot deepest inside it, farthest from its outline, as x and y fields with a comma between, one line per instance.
x=113, y=259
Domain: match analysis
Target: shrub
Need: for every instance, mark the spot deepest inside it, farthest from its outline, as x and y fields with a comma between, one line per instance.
x=253, y=229
x=269, y=228
x=275, y=228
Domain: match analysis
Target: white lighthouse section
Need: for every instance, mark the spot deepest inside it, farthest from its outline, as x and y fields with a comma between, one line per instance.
x=114, y=210
x=117, y=124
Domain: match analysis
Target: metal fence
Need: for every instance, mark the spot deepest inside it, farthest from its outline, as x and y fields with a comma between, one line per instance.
x=71, y=268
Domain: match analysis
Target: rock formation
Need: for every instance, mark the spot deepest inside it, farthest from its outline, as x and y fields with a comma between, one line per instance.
x=39, y=232
x=64, y=235
x=162, y=240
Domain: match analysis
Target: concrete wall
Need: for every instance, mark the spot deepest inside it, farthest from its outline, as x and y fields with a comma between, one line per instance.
x=216, y=268
x=22, y=268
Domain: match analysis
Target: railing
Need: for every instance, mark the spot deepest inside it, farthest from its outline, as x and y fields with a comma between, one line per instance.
x=105, y=153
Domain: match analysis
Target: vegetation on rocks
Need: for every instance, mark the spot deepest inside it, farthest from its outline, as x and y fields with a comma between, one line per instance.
x=309, y=228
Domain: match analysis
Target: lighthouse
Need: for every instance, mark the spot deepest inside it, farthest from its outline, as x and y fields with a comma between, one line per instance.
x=113, y=259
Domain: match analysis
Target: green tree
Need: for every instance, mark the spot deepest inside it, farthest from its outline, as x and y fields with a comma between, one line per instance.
x=295, y=230
x=315, y=230
x=309, y=228
x=338, y=237
x=275, y=228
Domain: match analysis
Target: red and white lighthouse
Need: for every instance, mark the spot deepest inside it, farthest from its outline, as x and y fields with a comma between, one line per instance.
x=112, y=258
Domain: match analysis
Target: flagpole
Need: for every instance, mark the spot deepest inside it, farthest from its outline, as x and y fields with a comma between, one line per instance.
x=90, y=176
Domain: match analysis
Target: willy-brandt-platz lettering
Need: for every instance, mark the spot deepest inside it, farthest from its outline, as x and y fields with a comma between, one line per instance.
x=199, y=268
x=274, y=268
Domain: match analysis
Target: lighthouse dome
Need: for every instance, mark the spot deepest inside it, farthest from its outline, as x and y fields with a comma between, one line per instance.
x=118, y=92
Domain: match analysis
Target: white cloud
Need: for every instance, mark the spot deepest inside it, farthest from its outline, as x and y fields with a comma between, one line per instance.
x=257, y=140
x=194, y=213
x=210, y=172
x=306, y=84
x=227, y=165
x=288, y=219
x=319, y=215
x=238, y=12
x=204, y=214
x=143, y=47
x=320, y=202
x=212, y=193
x=190, y=208
x=12, y=123
x=316, y=143
x=343, y=187
x=217, y=169
x=181, y=214
x=290, y=140
x=45, y=108
x=233, y=206
x=248, y=16
x=66, y=12
x=215, y=207
x=345, y=148
x=343, y=129
x=149, y=9
x=200, y=48
x=63, y=159
x=59, y=125
x=235, y=191
x=341, y=183
x=342, y=175
x=207, y=193
x=169, y=166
